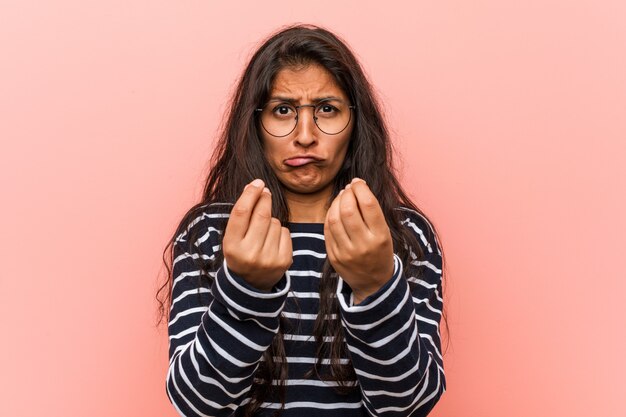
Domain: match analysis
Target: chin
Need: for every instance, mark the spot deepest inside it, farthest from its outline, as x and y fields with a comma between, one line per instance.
x=303, y=189
x=304, y=186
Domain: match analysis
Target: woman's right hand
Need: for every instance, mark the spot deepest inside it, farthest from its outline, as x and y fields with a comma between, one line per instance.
x=255, y=245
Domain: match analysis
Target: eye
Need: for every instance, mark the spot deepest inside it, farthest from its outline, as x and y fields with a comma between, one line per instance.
x=283, y=110
x=326, y=110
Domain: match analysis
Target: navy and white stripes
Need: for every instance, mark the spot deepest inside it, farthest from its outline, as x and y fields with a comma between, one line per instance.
x=218, y=333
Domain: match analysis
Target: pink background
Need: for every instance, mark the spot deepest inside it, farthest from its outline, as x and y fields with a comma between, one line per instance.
x=511, y=121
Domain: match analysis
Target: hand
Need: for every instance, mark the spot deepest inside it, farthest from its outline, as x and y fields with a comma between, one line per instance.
x=255, y=246
x=358, y=240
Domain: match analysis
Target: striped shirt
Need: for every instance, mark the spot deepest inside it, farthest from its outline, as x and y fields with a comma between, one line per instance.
x=220, y=328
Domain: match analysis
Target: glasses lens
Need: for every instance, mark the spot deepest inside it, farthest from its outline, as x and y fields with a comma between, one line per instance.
x=332, y=116
x=280, y=119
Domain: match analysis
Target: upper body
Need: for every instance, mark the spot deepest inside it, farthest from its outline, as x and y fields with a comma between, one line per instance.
x=305, y=280
x=217, y=339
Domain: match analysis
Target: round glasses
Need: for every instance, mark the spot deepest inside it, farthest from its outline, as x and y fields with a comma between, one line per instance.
x=280, y=118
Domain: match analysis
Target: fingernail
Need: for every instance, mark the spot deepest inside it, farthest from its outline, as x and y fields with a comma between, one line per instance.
x=348, y=186
x=341, y=192
x=355, y=179
x=257, y=183
x=267, y=190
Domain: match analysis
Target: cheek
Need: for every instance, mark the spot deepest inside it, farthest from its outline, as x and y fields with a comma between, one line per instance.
x=274, y=157
x=271, y=151
x=342, y=149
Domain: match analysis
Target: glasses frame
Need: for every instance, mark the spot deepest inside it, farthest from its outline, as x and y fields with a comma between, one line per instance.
x=259, y=110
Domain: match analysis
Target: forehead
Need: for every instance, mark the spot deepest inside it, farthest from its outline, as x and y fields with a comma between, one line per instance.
x=306, y=82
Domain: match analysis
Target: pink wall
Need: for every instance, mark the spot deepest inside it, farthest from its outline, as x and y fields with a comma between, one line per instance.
x=510, y=117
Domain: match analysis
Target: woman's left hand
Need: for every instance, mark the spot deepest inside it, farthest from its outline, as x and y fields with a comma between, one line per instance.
x=358, y=240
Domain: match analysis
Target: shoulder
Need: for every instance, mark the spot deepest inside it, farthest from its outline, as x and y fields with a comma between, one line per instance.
x=202, y=227
x=421, y=226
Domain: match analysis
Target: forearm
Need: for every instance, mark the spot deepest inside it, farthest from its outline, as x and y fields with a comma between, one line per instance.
x=397, y=372
x=212, y=372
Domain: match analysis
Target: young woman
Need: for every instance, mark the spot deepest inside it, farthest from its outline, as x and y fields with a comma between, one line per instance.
x=306, y=282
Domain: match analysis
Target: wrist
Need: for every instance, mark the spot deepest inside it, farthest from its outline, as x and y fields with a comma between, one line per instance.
x=257, y=284
x=360, y=294
x=375, y=284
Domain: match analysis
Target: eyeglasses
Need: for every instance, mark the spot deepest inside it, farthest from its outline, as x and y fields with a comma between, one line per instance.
x=279, y=118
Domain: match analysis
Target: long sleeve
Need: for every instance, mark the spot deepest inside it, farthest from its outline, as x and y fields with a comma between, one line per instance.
x=217, y=332
x=393, y=336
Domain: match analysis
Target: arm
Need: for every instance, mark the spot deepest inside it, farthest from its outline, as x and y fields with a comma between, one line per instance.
x=393, y=335
x=217, y=332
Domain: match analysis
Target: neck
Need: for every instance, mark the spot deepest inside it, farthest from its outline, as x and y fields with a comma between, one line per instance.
x=308, y=208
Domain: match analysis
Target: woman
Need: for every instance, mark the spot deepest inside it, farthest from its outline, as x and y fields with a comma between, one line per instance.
x=305, y=282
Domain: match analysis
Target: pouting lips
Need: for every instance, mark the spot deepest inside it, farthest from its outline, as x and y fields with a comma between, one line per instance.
x=296, y=162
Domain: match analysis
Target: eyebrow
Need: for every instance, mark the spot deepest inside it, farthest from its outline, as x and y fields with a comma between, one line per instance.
x=315, y=100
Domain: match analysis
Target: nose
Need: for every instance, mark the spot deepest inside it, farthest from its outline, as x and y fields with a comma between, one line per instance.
x=306, y=129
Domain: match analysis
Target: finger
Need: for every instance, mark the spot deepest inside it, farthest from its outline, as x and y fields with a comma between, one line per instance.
x=272, y=240
x=284, y=247
x=259, y=220
x=368, y=205
x=241, y=212
x=333, y=218
x=351, y=219
x=329, y=242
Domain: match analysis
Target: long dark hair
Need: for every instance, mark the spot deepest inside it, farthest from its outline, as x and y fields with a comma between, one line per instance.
x=239, y=158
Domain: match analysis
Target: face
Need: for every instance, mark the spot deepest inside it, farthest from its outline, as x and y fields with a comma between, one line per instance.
x=306, y=160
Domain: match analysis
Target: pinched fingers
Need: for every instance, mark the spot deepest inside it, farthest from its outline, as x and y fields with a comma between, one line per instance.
x=364, y=261
x=334, y=225
x=272, y=240
x=259, y=220
x=241, y=212
x=255, y=245
x=369, y=207
x=330, y=243
x=285, y=249
x=351, y=218
x=277, y=251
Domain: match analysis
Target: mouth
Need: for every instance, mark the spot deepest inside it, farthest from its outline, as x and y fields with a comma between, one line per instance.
x=299, y=161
